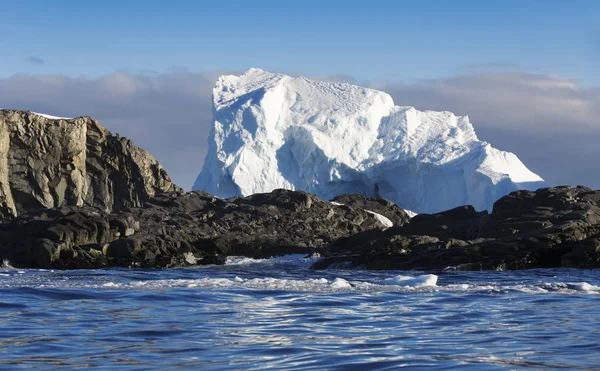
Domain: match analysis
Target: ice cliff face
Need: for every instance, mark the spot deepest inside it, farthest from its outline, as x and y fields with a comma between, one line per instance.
x=275, y=131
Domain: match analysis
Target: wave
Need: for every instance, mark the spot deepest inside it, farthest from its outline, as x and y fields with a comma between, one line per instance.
x=402, y=283
x=399, y=283
x=272, y=283
x=298, y=260
x=291, y=273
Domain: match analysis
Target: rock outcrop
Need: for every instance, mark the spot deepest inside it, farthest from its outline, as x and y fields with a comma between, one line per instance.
x=53, y=162
x=378, y=205
x=551, y=227
x=179, y=229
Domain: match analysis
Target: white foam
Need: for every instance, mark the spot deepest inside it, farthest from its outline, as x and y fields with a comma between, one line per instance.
x=302, y=281
x=427, y=280
x=584, y=286
x=318, y=285
x=411, y=284
x=459, y=287
x=340, y=283
x=300, y=260
x=242, y=260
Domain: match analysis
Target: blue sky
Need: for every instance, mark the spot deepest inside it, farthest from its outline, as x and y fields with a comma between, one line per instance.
x=367, y=40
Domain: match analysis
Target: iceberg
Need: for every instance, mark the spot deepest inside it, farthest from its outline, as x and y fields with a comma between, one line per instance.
x=276, y=131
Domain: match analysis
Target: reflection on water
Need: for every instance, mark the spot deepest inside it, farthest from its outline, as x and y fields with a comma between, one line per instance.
x=278, y=314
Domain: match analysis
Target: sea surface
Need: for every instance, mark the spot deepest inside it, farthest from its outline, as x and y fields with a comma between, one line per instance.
x=277, y=314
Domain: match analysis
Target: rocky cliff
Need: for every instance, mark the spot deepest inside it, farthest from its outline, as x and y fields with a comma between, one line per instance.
x=50, y=162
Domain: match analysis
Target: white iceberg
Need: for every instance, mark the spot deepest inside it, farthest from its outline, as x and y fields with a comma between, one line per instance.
x=275, y=131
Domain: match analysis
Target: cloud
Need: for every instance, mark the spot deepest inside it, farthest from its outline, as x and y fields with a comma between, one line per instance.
x=35, y=60
x=167, y=114
x=551, y=123
x=338, y=78
x=489, y=67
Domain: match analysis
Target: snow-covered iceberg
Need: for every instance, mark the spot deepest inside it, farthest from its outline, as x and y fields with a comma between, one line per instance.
x=276, y=131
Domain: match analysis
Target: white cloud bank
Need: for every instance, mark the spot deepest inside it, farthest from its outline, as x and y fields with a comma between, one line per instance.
x=551, y=123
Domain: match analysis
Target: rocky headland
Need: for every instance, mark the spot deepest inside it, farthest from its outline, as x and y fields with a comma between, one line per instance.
x=75, y=196
x=51, y=162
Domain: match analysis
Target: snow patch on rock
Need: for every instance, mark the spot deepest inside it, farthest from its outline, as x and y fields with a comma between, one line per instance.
x=411, y=214
x=51, y=117
x=382, y=219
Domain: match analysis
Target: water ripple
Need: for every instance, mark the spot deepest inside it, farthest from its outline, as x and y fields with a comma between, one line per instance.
x=280, y=315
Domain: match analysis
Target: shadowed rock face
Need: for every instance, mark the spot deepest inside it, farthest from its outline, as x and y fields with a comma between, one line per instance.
x=179, y=229
x=550, y=227
x=378, y=205
x=46, y=163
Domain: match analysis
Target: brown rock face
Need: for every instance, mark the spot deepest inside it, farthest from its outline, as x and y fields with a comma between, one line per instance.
x=46, y=163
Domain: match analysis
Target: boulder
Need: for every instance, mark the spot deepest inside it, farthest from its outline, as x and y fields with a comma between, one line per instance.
x=378, y=205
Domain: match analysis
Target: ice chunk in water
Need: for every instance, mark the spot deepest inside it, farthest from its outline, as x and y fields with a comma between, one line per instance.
x=427, y=280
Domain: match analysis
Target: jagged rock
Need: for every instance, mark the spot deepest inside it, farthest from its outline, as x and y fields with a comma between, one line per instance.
x=47, y=163
x=378, y=205
x=551, y=227
x=175, y=229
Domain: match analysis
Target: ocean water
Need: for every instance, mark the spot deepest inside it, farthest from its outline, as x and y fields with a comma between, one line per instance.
x=277, y=314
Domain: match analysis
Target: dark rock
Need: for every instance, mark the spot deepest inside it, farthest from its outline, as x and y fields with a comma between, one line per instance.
x=461, y=223
x=378, y=205
x=551, y=227
x=175, y=229
x=42, y=252
x=122, y=248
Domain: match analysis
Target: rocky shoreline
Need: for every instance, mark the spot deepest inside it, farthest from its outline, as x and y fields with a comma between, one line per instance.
x=75, y=196
x=181, y=229
x=551, y=227
x=547, y=228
